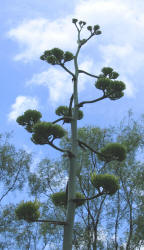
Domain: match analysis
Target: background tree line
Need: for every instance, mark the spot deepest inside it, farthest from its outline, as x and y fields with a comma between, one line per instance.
x=115, y=222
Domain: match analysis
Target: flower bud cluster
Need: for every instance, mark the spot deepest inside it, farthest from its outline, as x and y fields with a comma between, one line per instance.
x=64, y=111
x=108, y=182
x=59, y=199
x=28, y=211
x=111, y=87
x=29, y=119
x=56, y=56
x=113, y=151
x=42, y=132
x=94, y=30
x=45, y=132
x=81, y=23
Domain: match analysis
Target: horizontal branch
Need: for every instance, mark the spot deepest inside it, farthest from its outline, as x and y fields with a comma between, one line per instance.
x=62, y=118
x=95, y=100
x=52, y=222
x=82, y=71
x=87, y=146
x=90, y=198
x=70, y=154
x=96, y=152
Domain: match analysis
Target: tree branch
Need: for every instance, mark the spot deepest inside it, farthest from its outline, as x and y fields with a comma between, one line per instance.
x=66, y=69
x=70, y=154
x=117, y=221
x=77, y=27
x=12, y=186
x=62, y=118
x=84, y=41
x=52, y=222
x=99, y=210
x=96, y=100
x=70, y=105
x=92, y=34
x=90, y=198
x=82, y=71
x=87, y=146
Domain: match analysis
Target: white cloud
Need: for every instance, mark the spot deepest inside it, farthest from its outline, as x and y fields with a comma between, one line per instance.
x=124, y=57
x=131, y=90
x=59, y=82
x=87, y=66
x=36, y=35
x=121, y=22
x=21, y=104
x=120, y=46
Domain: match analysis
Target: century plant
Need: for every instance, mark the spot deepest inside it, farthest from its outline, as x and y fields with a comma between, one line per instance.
x=44, y=132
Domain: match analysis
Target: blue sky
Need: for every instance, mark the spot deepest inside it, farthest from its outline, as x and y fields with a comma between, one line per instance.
x=29, y=27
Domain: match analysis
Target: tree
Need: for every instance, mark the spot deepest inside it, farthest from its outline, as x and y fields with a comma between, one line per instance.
x=122, y=209
x=14, y=166
x=47, y=132
x=112, y=220
x=14, y=172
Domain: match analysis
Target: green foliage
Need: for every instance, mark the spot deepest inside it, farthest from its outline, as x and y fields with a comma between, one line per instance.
x=108, y=72
x=28, y=211
x=140, y=225
x=64, y=111
x=46, y=132
x=89, y=28
x=79, y=196
x=116, y=89
x=59, y=199
x=14, y=166
x=35, y=184
x=108, y=182
x=74, y=20
x=139, y=230
x=53, y=56
x=95, y=28
x=84, y=23
x=56, y=56
x=107, y=83
x=29, y=119
x=103, y=83
x=81, y=23
x=80, y=114
x=113, y=151
x=68, y=56
x=98, y=32
x=113, y=89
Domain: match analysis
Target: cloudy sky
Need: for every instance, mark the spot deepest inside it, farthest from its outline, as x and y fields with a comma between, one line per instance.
x=28, y=28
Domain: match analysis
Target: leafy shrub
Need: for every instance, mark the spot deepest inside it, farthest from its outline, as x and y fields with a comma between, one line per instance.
x=109, y=183
x=28, y=211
